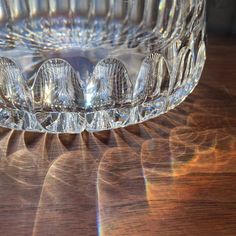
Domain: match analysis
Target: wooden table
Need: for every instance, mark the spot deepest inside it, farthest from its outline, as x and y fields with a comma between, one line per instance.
x=173, y=175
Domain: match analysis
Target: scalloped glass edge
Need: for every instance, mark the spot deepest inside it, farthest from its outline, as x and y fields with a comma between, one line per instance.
x=56, y=100
x=111, y=118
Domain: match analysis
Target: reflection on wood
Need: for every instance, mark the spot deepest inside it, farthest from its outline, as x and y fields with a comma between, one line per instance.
x=120, y=205
x=173, y=175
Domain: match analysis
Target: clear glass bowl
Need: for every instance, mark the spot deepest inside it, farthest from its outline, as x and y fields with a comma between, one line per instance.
x=72, y=65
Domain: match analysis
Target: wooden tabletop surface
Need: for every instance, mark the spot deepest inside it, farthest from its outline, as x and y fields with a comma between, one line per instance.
x=173, y=175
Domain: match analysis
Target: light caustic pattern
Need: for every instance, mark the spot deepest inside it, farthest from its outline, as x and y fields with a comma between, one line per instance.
x=176, y=170
x=96, y=65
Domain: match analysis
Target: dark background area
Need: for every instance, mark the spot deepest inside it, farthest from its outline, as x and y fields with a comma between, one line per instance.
x=221, y=17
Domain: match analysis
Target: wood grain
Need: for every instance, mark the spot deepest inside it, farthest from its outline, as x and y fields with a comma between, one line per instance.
x=173, y=175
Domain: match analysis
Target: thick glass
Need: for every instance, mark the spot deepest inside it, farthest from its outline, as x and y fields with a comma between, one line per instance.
x=72, y=65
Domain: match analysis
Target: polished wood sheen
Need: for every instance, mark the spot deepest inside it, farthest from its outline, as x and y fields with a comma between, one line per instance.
x=173, y=175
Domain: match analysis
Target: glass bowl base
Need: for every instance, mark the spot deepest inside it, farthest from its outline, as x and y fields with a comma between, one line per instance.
x=69, y=66
x=69, y=122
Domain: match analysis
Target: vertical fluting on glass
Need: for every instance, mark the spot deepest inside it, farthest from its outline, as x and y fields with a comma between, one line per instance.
x=71, y=65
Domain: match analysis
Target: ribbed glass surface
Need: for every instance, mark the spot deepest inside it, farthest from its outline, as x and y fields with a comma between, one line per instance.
x=71, y=65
